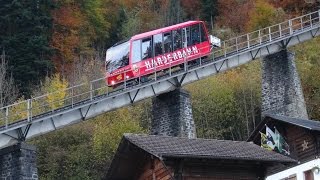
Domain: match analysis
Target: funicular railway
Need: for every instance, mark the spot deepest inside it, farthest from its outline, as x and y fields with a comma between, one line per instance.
x=36, y=116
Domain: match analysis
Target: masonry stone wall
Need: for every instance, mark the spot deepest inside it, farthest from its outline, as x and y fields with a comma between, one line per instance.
x=281, y=88
x=18, y=162
x=172, y=115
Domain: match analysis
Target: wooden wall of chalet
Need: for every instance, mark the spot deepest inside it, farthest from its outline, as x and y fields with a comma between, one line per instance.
x=302, y=142
x=155, y=170
x=216, y=170
x=202, y=170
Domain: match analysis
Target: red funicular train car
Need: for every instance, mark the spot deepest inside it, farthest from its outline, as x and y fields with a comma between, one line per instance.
x=157, y=50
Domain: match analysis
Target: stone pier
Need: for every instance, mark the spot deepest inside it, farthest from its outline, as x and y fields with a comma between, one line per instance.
x=281, y=88
x=18, y=162
x=172, y=115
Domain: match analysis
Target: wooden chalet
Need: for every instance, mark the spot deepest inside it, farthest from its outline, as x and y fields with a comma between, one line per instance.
x=149, y=157
x=303, y=139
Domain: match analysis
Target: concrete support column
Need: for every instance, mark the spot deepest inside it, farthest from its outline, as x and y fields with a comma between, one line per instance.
x=172, y=115
x=18, y=162
x=281, y=88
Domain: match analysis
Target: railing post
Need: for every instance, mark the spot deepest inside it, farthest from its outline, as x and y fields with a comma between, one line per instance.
x=212, y=56
x=31, y=106
x=91, y=90
x=237, y=44
x=28, y=110
x=186, y=63
x=260, y=36
x=224, y=49
x=270, y=37
x=170, y=68
x=7, y=116
x=248, y=41
x=280, y=30
x=310, y=18
x=155, y=71
x=319, y=15
x=72, y=94
x=139, y=69
x=290, y=26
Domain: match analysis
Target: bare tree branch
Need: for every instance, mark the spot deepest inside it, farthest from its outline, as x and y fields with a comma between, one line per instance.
x=8, y=90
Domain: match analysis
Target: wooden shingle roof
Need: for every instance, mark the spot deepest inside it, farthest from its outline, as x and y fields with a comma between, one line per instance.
x=135, y=150
x=305, y=123
x=165, y=146
x=311, y=125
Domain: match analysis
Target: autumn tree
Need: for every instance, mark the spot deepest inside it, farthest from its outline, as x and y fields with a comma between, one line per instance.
x=80, y=31
x=234, y=14
x=296, y=7
x=264, y=15
x=192, y=9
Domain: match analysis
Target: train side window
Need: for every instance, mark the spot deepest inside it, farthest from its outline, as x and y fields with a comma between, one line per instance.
x=146, y=48
x=157, y=40
x=195, y=34
x=136, y=51
x=177, y=39
x=203, y=34
x=167, y=42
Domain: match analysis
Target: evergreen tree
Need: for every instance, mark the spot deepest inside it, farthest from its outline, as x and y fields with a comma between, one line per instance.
x=175, y=13
x=24, y=35
x=209, y=10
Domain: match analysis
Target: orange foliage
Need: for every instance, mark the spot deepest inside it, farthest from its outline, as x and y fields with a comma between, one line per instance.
x=234, y=14
x=192, y=8
x=295, y=6
x=67, y=21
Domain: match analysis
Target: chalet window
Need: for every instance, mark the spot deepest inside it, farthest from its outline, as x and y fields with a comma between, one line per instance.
x=157, y=39
x=291, y=177
x=167, y=42
x=177, y=39
x=146, y=48
x=136, y=51
x=308, y=175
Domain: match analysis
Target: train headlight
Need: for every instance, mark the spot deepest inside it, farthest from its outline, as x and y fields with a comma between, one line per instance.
x=127, y=77
x=112, y=82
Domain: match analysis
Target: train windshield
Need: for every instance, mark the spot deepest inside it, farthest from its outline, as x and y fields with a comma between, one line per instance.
x=117, y=57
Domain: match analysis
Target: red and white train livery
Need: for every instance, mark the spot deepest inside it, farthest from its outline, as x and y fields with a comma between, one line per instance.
x=157, y=50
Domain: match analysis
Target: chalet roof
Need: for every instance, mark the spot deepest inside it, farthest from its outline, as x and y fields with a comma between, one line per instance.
x=312, y=125
x=164, y=146
x=304, y=123
x=136, y=150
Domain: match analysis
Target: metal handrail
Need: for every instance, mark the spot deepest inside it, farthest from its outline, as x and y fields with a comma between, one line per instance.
x=35, y=106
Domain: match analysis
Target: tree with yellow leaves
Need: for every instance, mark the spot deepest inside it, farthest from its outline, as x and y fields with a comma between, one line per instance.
x=55, y=87
x=263, y=15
